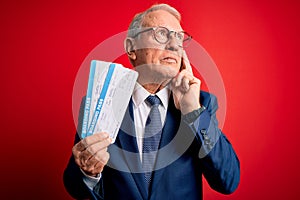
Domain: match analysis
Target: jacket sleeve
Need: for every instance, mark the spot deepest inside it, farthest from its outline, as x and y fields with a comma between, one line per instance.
x=73, y=182
x=219, y=162
x=73, y=177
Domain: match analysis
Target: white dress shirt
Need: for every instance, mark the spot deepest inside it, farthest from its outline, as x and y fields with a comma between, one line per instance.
x=141, y=111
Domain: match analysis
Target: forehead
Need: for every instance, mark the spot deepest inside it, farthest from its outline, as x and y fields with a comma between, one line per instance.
x=162, y=18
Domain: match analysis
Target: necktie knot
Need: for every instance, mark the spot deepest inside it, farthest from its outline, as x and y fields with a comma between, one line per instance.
x=153, y=100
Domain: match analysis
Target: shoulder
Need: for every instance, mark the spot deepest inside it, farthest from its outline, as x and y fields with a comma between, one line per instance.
x=209, y=101
x=207, y=98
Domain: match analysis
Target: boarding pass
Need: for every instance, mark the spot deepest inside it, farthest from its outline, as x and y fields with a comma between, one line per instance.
x=110, y=87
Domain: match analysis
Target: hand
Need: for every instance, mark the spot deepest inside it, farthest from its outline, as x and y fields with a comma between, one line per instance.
x=186, y=88
x=91, y=154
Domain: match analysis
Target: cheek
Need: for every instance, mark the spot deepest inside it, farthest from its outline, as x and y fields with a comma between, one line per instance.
x=150, y=56
x=141, y=57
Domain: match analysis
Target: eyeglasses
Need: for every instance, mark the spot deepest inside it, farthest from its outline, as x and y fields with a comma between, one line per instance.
x=162, y=35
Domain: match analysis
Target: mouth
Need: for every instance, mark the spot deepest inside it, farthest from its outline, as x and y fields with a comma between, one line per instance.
x=169, y=60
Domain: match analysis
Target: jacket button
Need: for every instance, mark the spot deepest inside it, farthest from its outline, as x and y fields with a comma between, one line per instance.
x=206, y=142
x=209, y=147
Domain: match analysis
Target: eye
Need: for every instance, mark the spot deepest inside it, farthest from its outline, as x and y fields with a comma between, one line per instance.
x=180, y=36
x=161, y=33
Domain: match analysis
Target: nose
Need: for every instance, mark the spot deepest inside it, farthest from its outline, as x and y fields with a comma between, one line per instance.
x=172, y=44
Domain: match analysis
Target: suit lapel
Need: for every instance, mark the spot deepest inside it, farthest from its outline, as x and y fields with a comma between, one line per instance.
x=127, y=141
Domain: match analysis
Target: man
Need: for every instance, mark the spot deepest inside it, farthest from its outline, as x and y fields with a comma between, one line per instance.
x=168, y=138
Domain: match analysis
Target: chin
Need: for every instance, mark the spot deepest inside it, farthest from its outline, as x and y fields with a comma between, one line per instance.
x=172, y=70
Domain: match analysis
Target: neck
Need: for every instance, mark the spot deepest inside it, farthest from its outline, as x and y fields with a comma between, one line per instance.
x=154, y=87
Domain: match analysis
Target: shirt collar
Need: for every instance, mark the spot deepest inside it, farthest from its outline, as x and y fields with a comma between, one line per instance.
x=140, y=94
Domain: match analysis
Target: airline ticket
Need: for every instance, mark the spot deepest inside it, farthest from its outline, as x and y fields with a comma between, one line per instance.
x=110, y=87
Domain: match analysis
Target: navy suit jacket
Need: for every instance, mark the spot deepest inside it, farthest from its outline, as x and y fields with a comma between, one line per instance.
x=187, y=151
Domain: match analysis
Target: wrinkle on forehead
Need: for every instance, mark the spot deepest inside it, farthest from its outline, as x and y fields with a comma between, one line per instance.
x=161, y=18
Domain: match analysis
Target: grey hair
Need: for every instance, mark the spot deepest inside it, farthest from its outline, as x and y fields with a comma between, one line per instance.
x=137, y=21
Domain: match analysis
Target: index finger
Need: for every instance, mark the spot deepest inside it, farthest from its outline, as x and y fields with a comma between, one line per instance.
x=186, y=63
x=92, y=139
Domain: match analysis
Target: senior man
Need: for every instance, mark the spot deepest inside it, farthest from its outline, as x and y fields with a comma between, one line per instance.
x=169, y=136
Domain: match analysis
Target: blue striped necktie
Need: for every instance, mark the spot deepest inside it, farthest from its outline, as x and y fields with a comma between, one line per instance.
x=152, y=137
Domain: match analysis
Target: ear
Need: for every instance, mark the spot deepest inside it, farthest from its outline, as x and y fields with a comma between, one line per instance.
x=129, y=48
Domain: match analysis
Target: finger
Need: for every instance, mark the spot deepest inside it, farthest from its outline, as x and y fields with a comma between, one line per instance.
x=89, y=167
x=94, y=148
x=84, y=157
x=93, y=168
x=91, y=163
x=80, y=146
x=86, y=142
x=89, y=152
x=186, y=62
x=102, y=156
x=183, y=79
x=176, y=100
x=179, y=77
x=195, y=81
x=185, y=83
x=97, y=137
x=98, y=165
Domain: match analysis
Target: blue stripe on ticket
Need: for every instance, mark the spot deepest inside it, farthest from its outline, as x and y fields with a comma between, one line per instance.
x=101, y=99
x=88, y=99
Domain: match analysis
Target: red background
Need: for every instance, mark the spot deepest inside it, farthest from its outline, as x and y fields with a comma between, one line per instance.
x=254, y=44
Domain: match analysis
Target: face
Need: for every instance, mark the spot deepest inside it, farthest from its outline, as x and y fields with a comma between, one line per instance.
x=155, y=62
